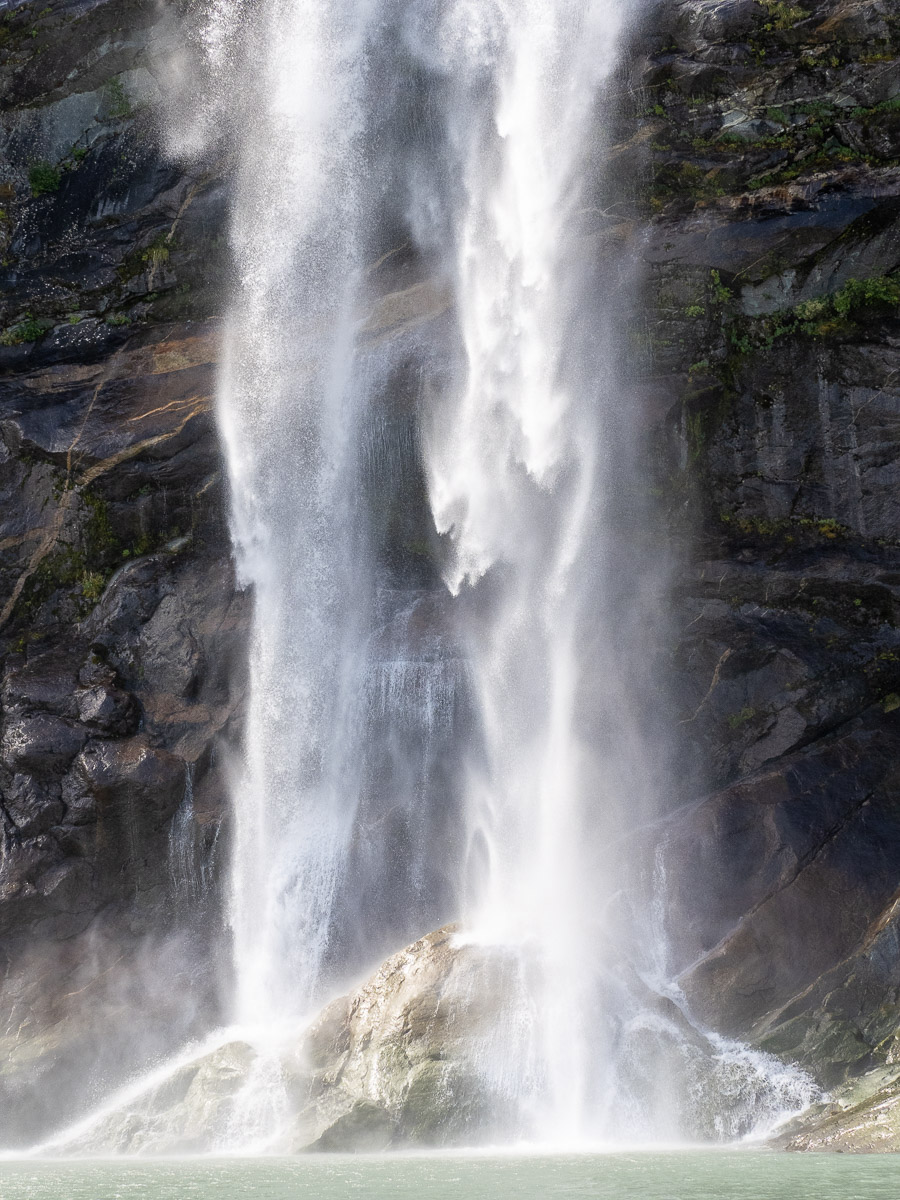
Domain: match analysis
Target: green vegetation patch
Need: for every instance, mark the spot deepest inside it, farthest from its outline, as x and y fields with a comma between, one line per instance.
x=824, y=317
x=117, y=99
x=736, y=720
x=82, y=568
x=29, y=329
x=826, y=528
x=879, y=291
x=781, y=15
x=683, y=180
x=44, y=178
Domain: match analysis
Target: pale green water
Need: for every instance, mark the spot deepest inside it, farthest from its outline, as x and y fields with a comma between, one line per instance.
x=677, y=1176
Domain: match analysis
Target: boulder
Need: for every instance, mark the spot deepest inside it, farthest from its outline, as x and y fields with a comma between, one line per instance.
x=427, y=1053
x=862, y=1117
x=401, y=1061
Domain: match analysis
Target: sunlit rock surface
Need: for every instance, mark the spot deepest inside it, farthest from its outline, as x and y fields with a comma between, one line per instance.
x=861, y=1117
x=405, y=1058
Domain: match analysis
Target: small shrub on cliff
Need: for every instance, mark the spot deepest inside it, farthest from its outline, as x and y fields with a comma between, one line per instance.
x=721, y=293
x=812, y=310
x=117, y=99
x=781, y=15
x=27, y=330
x=865, y=293
x=44, y=178
x=93, y=585
x=157, y=254
x=736, y=720
x=682, y=181
x=101, y=543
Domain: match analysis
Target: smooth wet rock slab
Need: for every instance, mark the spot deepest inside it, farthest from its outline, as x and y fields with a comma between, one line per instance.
x=862, y=1117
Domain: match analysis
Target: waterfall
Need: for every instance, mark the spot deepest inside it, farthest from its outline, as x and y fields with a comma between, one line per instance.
x=433, y=440
x=289, y=427
x=494, y=182
x=475, y=135
x=524, y=459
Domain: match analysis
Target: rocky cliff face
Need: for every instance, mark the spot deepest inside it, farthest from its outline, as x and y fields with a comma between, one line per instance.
x=120, y=626
x=765, y=137
x=772, y=191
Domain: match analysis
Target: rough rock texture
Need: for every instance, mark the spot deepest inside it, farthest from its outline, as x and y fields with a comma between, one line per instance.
x=860, y=1117
x=771, y=134
x=397, y=1062
x=401, y=1062
x=120, y=626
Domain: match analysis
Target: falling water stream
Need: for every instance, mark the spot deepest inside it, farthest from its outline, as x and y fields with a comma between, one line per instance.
x=494, y=131
x=470, y=142
x=433, y=450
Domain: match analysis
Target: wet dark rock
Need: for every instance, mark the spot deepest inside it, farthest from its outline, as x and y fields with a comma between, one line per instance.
x=32, y=808
x=772, y=196
x=108, y=709
x=121, y=629
x=40, y=742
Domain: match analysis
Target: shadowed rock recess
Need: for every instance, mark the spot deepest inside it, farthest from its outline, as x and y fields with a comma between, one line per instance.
x=763, y=143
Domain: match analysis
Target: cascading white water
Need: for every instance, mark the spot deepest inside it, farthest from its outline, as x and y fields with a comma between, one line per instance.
x=472, y=134
x=417, y=748
x=289, y=427
x=517, y=453
x=520, y=472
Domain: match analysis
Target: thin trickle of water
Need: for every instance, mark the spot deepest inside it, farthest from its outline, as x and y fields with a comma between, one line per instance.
x=184, y=869
x=193, y=857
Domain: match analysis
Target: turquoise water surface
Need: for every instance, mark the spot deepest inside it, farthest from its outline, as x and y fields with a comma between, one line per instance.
x=687, y=1175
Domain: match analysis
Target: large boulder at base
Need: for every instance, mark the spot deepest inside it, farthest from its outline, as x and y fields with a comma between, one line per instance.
x=404, y=1060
